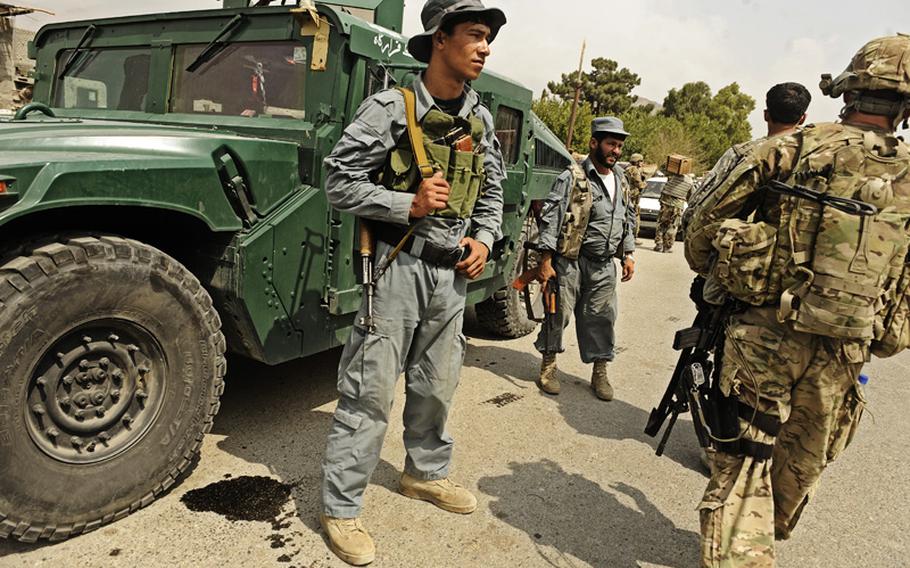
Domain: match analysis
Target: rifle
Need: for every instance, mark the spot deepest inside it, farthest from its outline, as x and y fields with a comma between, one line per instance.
x=549, y=291
x=691, y=387
x=366, y=258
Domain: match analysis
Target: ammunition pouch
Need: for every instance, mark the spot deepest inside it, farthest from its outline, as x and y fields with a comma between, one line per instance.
x=745, y=252
x=451, y=145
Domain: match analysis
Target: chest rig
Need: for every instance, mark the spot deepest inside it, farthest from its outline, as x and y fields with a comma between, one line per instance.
x=439, y=143
x=575, y=223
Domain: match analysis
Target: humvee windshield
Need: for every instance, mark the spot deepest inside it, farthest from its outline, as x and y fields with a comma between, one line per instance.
x=98, y=79
x=245, y=79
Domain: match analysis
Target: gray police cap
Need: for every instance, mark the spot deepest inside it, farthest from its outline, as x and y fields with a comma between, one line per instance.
x=436, y=12
x=608, y=125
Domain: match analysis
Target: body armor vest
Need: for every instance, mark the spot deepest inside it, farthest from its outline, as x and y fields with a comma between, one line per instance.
x=451, y=144
x=834, y=274
x=575, y=223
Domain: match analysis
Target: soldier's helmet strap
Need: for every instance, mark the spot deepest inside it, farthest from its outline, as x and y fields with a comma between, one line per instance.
x=415, y=133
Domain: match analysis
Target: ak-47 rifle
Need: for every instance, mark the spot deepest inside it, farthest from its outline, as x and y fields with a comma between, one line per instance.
x=549, y=290
x=691, y=386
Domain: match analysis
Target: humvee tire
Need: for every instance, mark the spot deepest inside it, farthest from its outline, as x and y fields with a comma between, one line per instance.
x=504, y=313
x=111, y=366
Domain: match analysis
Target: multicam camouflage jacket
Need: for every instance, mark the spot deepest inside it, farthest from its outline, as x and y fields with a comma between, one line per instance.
x=636, y=178
x=829, y=272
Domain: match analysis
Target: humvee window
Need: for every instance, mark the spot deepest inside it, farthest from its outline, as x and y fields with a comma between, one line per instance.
x=244, y=79
x=508, y=129
x=114, y=79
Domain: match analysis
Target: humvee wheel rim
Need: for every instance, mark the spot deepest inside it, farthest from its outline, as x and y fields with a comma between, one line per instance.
x=96, y=391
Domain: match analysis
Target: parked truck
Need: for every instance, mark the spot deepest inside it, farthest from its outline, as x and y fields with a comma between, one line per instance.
x=161, y=203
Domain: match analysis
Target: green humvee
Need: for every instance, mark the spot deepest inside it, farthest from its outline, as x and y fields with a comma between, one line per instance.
x=160, y=203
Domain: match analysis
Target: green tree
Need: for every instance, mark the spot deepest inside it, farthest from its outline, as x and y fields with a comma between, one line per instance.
x=656, y=136
x=606, y=88
x=689, y=99
x=554, y=112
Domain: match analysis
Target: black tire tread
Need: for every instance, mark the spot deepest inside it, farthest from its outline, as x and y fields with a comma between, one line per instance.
x=20, y=273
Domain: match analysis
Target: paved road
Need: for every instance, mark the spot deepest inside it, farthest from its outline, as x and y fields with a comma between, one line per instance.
x=567, y=481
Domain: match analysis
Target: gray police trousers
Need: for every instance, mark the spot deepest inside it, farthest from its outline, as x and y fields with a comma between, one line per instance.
x=418, y=310
x=587, y=288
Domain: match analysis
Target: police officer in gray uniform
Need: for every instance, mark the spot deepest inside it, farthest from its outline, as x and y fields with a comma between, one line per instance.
x=418, y=303
x=587, y=275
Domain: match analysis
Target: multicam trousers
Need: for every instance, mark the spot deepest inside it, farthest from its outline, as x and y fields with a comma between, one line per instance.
x=635, y=202
x=812, y=384
x=671, y=210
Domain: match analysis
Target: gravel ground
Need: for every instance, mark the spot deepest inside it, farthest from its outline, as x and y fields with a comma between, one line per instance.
x=563, y=481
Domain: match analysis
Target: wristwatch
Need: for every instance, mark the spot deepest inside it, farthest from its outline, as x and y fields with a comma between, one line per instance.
x=629, y=256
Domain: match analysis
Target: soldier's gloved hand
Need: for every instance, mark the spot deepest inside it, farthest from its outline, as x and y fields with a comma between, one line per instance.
x=472, y=267
x=432, y=194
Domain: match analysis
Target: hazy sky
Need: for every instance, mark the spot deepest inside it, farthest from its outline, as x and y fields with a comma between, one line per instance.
x=756, y=43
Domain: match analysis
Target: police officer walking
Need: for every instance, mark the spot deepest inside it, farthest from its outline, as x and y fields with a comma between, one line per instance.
x=635, y=177
x=824, y=274
x=392, y=167
x=585, y=223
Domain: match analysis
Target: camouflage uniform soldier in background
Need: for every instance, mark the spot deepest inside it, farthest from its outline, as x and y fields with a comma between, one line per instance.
x=635, y=176
x=672, y=203
x=585, y=224
x=825, y=288
x=418, y=303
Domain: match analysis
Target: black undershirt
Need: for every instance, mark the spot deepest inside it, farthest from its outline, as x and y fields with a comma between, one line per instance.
x=452, y=106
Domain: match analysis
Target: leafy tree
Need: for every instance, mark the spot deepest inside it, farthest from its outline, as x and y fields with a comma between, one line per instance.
x=656, y=136
x=607, y=88
x=689, y=99
x=555, y=114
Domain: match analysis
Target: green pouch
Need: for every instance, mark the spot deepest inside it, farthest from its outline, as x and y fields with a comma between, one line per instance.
x=745, y=252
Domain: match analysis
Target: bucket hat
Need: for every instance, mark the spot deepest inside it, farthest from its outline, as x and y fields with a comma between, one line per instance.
x=436, y=12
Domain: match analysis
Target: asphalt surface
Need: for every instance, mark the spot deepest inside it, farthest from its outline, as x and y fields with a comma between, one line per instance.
x=562, y=481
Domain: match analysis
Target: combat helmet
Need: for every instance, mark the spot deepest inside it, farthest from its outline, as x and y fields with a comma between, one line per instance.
x=636, y=158
x=883, y=64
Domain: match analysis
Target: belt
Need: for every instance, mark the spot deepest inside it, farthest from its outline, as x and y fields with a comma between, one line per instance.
x=595, y=257
x=429, y=252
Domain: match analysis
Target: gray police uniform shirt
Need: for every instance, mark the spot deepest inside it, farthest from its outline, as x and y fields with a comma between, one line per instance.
x=364, y=146
x=605, y=232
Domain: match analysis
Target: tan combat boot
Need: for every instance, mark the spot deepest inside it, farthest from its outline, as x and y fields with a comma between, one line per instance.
x=440, y=492
x=349, y=540
x=548, y=382
x=599, y=381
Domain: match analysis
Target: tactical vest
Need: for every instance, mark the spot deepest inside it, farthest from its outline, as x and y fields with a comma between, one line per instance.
x=575, y=222
x=677, y=187
x=436, y=134
x=833, y=274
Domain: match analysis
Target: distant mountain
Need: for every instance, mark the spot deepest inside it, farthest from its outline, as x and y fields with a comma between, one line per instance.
x=644, y=101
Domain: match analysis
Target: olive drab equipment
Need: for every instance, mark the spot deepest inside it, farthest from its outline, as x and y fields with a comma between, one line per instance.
x=837, y=262
x=572, y=232
x=438, y=143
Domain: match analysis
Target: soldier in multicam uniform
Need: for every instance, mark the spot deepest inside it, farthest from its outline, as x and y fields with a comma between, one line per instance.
x=585, y=224
x=825, y=287
x=672, y=203
x=377, y=172
x=635, y=176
